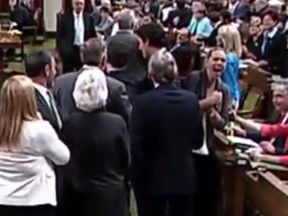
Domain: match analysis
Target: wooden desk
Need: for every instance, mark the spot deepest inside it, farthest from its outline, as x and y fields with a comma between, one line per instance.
x=267, y=193
x=8, y=41
x=233, y=174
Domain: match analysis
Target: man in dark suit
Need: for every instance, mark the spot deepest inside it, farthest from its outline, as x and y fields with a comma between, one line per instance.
x=214, y=101
x=273, y=46
x=93, y=55
x=166, y=126
x=40, y=67
x=125, y=34
x=181, y=17
x=75, y=28
x=242, y=10
x=118, y=57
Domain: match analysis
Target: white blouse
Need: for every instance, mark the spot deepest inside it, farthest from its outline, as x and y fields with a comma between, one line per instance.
x=27, y=177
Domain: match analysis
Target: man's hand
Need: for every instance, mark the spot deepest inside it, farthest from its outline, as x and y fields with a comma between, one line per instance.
x=267, y=147
x=256, y=156
x=239, y=131
x=262, y=63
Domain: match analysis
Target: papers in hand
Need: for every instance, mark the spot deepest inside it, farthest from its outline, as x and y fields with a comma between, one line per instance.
x=242, y=141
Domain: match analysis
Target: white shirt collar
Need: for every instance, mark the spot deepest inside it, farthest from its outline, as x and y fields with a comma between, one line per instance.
x=76, y=15
x=42, y=89
x=272, y=33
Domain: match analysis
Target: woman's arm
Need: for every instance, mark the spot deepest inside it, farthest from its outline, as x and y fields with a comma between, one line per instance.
x=248, y=124
x=283, y=160
x=51, y=146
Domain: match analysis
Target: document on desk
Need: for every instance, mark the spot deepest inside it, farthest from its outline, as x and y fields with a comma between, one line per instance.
x=242, y=141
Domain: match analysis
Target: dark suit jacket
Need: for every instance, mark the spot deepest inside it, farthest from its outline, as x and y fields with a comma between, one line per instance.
x=117, y=100
x=254, y=47
x=276, y=53
x=166, y=125
x=134, y=87
x=100, y=157
x=100, y=150
x=66, y=31
x=198, y=83
x=242, y=12
x=46, y=112
x=184, y=14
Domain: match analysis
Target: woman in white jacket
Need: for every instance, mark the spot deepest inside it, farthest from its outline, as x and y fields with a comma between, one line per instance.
x=28, y=148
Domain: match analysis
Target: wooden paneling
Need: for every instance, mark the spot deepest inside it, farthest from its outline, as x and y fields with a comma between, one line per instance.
x=4, y=6
x=38, y=4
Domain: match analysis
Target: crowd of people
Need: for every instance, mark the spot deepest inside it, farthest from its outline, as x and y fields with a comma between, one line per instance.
x=143, y=87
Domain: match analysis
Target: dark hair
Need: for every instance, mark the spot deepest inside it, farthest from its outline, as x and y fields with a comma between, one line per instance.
x=36, y=62
x=214, y=16
x=187, y=57
x=273, y=14
x=153, y=33
x=209, y=54
x=118, y=53
x=92, y=51
x=226, y=16
x=105, y=9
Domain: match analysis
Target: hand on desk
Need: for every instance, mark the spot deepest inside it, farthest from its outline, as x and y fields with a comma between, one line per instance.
x=262, y=63
x=267, y=147
x=239, y=131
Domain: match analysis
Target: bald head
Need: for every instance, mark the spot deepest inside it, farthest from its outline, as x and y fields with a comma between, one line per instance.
x=93, y=51
x=78, y=5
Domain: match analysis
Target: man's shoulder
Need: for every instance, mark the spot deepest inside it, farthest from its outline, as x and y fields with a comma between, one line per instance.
x=114, y=83
x=66, y=77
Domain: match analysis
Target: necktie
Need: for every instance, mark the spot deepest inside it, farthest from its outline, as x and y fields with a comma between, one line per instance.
x=195, y=28
x=54, y=109
x=77, y=31
x=264, y=43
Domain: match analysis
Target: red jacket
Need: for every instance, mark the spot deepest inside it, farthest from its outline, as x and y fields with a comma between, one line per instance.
x=276, y=130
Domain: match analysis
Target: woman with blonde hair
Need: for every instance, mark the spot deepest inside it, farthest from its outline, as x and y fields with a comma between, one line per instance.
x=230, y=40
x=28, y=147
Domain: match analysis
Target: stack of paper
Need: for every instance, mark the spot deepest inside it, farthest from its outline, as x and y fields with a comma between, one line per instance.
x=242, y=141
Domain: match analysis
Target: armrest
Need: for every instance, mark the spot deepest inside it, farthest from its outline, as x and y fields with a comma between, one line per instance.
x=244, y=112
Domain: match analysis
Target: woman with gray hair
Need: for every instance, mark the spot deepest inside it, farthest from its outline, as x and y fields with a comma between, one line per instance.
x=99, y=147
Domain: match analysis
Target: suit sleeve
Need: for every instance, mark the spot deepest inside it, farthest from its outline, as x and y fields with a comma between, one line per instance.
x=137, y=133
x=198, y=130
x=119, y=102
x=125, y=147
x=92, y=29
